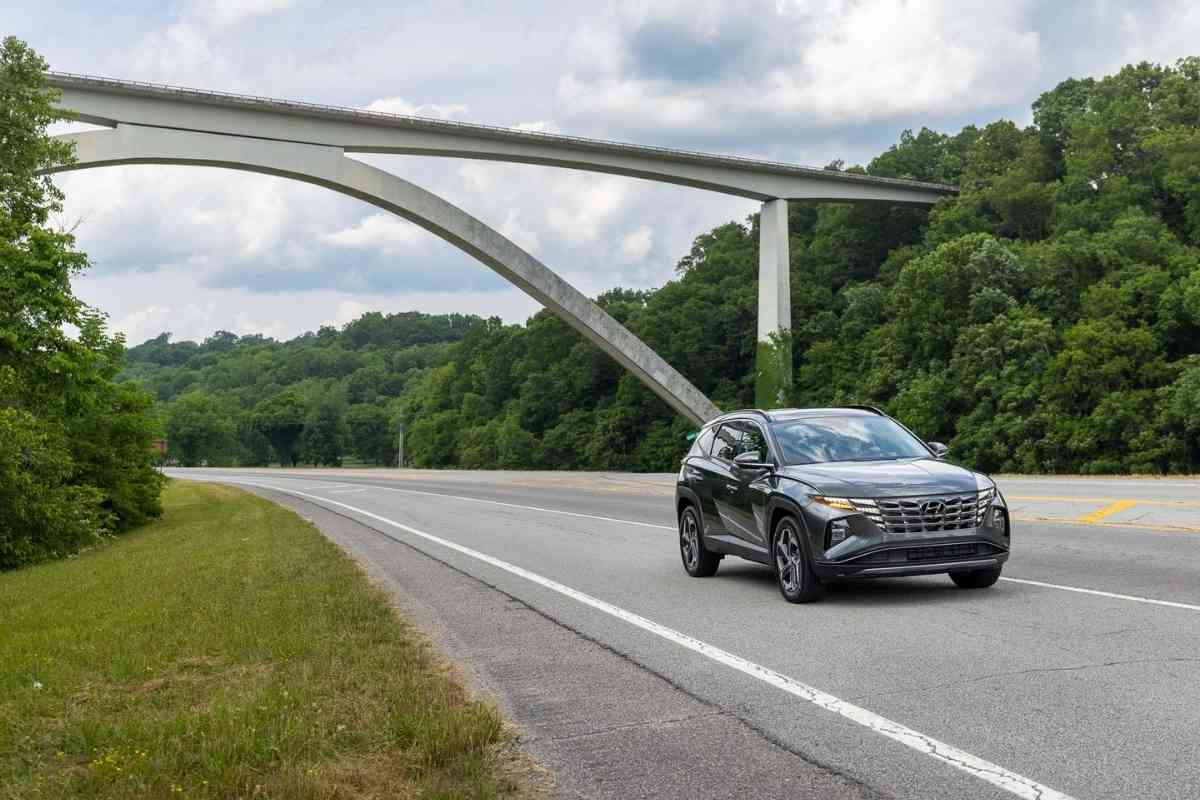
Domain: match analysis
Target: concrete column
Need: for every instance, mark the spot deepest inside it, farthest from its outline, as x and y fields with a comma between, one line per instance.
x=773, y=382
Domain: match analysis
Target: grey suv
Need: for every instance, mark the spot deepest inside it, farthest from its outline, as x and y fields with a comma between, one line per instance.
x=827, y=493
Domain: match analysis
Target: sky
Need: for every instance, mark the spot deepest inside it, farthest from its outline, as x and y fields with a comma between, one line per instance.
x=194, y=250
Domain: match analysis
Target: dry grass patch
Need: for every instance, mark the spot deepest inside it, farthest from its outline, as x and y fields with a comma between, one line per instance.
x=230, y=651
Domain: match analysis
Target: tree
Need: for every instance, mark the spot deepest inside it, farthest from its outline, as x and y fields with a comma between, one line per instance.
x=324, y=439
x=370, y=434
x=281, y=420
x=198, y=431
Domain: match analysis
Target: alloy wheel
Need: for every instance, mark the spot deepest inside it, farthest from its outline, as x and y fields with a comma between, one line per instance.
x=689, y=540
x=788, y=560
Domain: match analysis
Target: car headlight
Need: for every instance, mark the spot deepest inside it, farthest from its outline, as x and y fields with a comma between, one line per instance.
x=985, y=498
x=840, y=503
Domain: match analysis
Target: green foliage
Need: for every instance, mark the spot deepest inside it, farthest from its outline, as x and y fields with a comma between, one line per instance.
x=370, y=434
x=199, y=433
x=44, y=515
x=1047, y=318
x=324, y=438
x=281, y=420
x=75, y=455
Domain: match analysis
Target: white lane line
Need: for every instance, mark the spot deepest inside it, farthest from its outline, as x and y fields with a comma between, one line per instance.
x=526, y=508
x=349, y=491
x=959, y=759
x=1113, y=595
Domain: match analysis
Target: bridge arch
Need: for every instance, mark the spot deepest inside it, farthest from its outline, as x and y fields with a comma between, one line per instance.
x=329, y=167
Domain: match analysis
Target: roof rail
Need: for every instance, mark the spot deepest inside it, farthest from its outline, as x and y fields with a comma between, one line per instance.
x=872, y=409
x=758, y=411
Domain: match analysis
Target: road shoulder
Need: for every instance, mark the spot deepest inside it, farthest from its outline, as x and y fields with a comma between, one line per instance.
x=603, y=725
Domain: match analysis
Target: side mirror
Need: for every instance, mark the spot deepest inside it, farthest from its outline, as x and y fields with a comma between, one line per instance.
x=939, y=450
x=751, y=461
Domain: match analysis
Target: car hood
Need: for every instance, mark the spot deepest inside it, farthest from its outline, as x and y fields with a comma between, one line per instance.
x=918, y=476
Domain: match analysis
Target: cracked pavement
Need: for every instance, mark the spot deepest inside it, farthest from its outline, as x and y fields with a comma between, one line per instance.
x=1095, y=697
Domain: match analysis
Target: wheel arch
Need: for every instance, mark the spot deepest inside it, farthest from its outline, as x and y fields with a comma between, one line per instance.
x=780, y=506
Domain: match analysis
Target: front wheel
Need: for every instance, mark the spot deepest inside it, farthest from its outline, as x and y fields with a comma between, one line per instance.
x=975, y=578
x=793, y=573
x=697, y=560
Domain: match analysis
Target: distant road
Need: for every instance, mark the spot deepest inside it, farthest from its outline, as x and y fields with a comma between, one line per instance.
x=1077, y=674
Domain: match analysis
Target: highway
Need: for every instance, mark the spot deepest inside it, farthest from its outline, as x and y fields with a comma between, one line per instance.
x=1077, y=676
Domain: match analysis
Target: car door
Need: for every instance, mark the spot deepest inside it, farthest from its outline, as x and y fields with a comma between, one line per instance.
x=718, y=476
x=749, y=488
x=698, y=475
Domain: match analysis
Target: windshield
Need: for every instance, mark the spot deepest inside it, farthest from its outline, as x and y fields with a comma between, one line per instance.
x=817, y=440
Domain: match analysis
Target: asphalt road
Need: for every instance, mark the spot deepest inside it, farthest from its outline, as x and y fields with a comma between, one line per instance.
x=1078, y=674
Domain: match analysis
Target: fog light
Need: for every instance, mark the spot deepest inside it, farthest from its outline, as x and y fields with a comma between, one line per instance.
x=997, y=517
x=838, y=530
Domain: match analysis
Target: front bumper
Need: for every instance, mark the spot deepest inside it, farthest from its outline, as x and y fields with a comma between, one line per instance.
x=917, y=557
x=869, y=550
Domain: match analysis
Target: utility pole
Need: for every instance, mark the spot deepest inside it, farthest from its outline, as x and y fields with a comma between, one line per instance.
x=400, y=446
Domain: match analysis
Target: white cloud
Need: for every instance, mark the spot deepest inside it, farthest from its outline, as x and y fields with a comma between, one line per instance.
x=523, y=236
x=541, y=126
x=222, y=13
x=398, y=105
x=580, y=205
x=636, y=245
x=347, y=311
x=382, y=231
x=176, y=54
x=725, y=66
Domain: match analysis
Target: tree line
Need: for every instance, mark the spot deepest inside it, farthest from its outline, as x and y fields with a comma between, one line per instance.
x=1047, y=319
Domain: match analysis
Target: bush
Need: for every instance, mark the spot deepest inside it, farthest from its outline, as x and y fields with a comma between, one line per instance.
x=42, y=515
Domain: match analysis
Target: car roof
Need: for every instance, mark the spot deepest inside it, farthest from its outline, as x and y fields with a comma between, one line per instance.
x=784, y=414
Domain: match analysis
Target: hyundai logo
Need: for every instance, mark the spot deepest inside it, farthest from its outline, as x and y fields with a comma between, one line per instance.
x=933, y=509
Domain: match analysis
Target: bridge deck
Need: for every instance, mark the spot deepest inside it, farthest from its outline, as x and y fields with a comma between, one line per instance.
x=106, y=101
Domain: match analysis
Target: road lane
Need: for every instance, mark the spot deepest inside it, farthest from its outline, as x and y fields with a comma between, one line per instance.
x=1093, y=696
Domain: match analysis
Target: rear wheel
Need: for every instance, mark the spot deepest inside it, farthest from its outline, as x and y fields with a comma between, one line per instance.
x=697, y=560
x=975, y=578
x=793, y=573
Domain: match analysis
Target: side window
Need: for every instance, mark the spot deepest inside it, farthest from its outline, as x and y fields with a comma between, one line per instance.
x=703, y=442
x=753, y=441
x=727, y=441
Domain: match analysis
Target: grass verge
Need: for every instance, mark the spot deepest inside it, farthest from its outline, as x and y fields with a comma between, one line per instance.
x=229, y=650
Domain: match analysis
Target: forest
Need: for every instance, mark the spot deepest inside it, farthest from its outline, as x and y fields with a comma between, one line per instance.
x=1044, y=320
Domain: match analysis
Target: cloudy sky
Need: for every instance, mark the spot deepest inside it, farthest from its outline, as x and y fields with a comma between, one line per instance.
x=195, y=250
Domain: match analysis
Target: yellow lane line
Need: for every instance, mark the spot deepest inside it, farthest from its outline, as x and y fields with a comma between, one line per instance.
x=1142, y=526
x=1059, y=498
x=1108, y=510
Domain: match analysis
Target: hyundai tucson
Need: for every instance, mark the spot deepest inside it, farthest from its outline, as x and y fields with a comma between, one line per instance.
x=830, y=493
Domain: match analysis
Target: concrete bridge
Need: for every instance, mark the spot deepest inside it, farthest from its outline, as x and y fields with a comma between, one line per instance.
x=153, y=124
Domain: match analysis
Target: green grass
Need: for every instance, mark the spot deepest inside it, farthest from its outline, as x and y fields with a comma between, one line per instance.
x=229, y=650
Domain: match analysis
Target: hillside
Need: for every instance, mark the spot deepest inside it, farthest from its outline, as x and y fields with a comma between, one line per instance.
x=1045, y=320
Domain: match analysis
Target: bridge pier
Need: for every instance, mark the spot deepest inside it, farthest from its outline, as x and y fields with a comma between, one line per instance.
x=773, y=363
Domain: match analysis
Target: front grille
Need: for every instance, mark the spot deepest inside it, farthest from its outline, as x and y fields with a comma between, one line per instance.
x=927, y=514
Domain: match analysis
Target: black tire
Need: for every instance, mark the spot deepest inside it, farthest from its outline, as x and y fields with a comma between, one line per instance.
x=793, y=571
x=975, y=578
x=697, y=560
